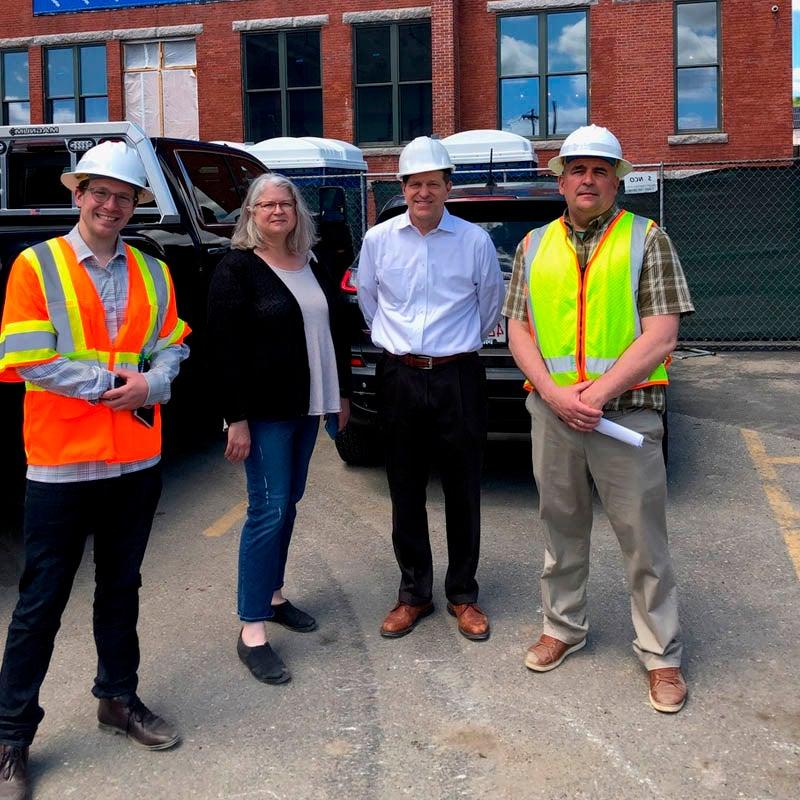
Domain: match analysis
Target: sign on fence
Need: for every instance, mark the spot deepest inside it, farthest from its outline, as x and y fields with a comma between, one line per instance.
x=641, y=182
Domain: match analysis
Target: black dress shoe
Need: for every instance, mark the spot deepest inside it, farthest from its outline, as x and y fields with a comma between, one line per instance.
x=293, y=618
x=136, y=721
x=14, y=783
x=264, y=663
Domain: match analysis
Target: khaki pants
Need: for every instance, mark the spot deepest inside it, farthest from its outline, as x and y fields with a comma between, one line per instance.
x=631, y=484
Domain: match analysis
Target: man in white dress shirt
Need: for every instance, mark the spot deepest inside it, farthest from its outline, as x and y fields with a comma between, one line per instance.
x=430, y=288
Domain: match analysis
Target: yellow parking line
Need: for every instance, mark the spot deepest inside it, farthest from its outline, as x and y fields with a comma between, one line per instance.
x=786, y=515
x=785, y=460
x=221, y=526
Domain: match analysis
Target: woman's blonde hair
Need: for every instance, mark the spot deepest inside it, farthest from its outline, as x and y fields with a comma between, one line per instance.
x=246, y=235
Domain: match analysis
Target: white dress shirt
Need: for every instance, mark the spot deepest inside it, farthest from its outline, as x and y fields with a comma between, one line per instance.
x=434, y=295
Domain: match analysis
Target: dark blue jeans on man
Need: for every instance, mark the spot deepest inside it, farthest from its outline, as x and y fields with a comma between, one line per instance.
x=58, y=519
x=276, y=469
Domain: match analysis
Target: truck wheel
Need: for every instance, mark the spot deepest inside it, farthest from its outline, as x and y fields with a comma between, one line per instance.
x=358, y=448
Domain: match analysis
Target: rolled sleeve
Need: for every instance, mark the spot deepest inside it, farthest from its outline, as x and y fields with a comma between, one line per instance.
x=69, y=378
x=164, y=367
x=516, y=303
x=662, y=287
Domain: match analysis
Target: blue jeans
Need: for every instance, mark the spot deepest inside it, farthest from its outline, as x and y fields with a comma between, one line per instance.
x=276, y=469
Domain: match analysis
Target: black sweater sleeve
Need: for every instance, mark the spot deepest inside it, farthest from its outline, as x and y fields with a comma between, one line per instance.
x=228, y=333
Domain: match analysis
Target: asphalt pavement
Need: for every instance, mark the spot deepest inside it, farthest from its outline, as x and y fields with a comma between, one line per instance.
x=433, y=715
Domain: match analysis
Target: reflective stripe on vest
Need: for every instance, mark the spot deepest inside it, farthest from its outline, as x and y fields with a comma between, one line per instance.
x=61, y=278
x=584, y=320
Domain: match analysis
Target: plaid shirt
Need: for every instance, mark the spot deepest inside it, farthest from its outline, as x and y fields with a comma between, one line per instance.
x=662, y=290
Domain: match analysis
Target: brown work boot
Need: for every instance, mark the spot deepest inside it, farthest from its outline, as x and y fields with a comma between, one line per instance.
x=549, y=652
x=136, y=721
x=14, y=773
x=472, y=622
x=403, y=618
x=667, y=689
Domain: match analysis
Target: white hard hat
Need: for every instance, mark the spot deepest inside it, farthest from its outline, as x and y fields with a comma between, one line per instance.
x=591, y=140
x=117, y=160
x=423, y=154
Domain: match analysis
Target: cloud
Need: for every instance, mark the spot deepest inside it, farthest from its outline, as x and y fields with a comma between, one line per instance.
x=796, y=78
x=572, y=45
x=518, y=57
x=700, y=48
x=795, y=5
x=699, y=85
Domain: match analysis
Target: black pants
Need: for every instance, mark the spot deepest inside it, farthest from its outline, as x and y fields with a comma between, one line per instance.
x=434, y=416
x=58, y=518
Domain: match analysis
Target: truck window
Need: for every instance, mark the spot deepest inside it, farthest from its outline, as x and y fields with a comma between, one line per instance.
x=244, y=172
x=34, y=172
x=215, y=191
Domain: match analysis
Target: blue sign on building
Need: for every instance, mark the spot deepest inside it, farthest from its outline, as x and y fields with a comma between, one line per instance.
x=65, y=6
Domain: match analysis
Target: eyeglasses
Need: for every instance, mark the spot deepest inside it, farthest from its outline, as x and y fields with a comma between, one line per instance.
x=102, y=196
x=283, y=205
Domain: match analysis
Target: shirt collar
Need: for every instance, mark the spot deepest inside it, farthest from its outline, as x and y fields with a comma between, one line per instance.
x=446, y=223
x=82, y=250
x=597, y=223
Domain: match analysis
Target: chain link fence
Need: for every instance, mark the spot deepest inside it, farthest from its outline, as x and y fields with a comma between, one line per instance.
x=734, y=225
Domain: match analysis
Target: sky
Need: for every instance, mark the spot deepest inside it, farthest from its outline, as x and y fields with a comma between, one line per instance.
x=796, y=48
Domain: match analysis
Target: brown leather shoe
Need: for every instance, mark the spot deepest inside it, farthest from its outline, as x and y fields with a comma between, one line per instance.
x=403, y=618
x=14, y=783
x=136, y=721
x=549, y=652
x=472, y=622
x=667, y=689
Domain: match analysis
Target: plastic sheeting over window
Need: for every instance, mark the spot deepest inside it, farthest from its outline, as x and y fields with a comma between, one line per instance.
x=161, y=88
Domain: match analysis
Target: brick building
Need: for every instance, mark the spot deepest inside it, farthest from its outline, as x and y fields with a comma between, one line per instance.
x=678, y=80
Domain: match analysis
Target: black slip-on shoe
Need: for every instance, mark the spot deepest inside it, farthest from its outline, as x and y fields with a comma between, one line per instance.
x=264, y=663
x=293, y=618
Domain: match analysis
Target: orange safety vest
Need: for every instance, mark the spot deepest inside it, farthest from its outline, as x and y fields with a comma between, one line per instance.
x=53, y=310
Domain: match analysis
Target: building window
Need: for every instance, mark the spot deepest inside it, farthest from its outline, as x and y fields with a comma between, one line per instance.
x=14, y=91
x=76, y=84
x=282, y=84
x=161, y=87
x=394, y=100
x=697, y=100
x=544, y=74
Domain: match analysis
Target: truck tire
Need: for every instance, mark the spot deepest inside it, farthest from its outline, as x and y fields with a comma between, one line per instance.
x=358, y=448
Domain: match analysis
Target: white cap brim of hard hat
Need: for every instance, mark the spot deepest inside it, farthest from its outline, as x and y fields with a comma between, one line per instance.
x=556, y=164
x=439, y=168
x=72, y=180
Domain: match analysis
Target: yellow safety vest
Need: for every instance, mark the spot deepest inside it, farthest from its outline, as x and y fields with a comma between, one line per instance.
x=584, y=320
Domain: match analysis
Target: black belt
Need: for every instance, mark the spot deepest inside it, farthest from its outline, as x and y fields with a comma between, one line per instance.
x=427, y=362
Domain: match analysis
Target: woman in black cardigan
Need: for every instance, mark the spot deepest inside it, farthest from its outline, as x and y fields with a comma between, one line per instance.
x=282, y=361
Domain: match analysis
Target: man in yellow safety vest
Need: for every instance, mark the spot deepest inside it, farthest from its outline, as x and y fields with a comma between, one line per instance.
x=593, y=306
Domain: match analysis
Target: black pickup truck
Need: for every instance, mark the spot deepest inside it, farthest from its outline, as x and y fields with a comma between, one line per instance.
x=199, y=189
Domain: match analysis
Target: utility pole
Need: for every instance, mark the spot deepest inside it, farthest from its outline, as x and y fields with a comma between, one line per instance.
x=533, y=117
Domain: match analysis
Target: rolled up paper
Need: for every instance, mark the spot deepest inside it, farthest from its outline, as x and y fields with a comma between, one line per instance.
x=623, y=434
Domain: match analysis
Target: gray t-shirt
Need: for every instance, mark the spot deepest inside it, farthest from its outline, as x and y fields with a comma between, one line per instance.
x=324, y=395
